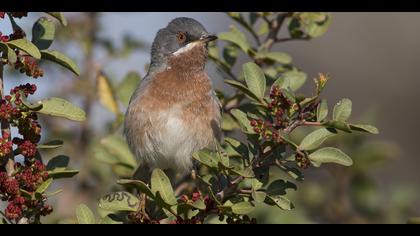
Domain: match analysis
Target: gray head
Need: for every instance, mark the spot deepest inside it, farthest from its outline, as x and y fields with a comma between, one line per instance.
x=180, y=34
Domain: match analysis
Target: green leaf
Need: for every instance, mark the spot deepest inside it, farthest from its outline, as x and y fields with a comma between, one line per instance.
x=61, y=59
x=280, y=57
x=139, y=185
x=61, y=108
x=342, y=110
x=293, y=172
x=106, y=94
x=84, y=215
x=322, y=110
x=340, y=125
x=44, y=186
x=319, y=24
x=26, y=46
x=258, y=196
x=242, y=208
x=291, y=79
x=206, y=158
x=59, y=16
x=127, y=86
x=256, y=184
x=50, y=194
x=43, y=32
x=331, y=155
x=118, y=201
x=230, y=54
x=246, y=173
x=243, y=121
x=254, y=78
x=57, y=173
x=236, y=37
x=279, y=201
x=117, y=146
x=264, y=29
x=51, y=144
x=316, y=138
x=243, y=88
x=279, y=186
x=365, y=128
x=160, y=182
x=198, y=204
x=59, y=162
x=11, y=55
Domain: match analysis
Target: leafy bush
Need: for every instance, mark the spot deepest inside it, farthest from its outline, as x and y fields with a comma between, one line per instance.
x=259, y=119
x=24, y=177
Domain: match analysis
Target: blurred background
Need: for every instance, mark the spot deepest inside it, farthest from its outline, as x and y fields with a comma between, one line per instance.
x=372, y=58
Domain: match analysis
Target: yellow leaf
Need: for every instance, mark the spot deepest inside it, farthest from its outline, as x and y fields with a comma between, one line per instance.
x=106, y=93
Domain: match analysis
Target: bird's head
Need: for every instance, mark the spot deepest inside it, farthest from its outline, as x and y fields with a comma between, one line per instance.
x=183, y=40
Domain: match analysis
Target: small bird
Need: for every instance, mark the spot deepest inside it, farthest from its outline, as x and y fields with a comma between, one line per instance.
x=174, y=112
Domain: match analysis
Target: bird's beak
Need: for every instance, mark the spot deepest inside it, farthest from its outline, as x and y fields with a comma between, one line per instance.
x=207, y=38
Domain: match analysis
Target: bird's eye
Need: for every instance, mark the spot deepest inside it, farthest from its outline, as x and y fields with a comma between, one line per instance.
x=181, y=37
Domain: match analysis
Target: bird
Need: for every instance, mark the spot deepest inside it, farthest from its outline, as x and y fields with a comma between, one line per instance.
x=174, y=112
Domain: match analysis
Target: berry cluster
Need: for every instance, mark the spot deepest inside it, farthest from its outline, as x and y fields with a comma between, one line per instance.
x=19, y=14
x=30, y=174
x=5, y=145
x=29, y=66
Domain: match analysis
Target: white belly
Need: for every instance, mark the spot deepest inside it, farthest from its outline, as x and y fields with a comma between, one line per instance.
x=170, y=142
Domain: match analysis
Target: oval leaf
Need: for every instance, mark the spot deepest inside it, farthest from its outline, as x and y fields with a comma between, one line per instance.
x=104, y=91
x=242, y=208
x=139, y=185
x=340, y=125
x=11, y=55
x=342, y=110
x=236, y=37
x=331, y=155
x=365, y=128
x=316, y=138
x=58, y=174
x=26, y=46
x=51, y=144
x=119, y=201
x=255, y=79
x=242, y=88
x=205, y=158
x=322, y=110
x=243, y=121
x=43, y=32
x=279, y=201
x=59, y=16
x=44, y=186
x=160, y=182
x=291, y=79
x=58, y=163
x=258, y=196
x=61, y=59
x=62, y=108
x=84, y=215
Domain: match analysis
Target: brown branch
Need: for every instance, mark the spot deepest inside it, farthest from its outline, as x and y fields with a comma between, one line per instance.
x=9, y=161
x=275, y=26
